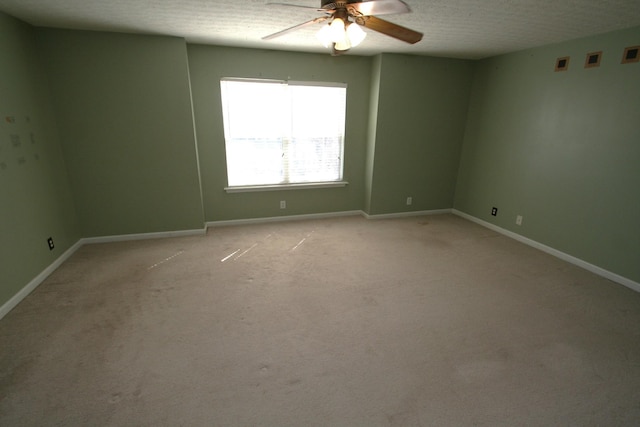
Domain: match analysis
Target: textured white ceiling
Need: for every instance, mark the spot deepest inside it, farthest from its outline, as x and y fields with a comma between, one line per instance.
x=454, y=28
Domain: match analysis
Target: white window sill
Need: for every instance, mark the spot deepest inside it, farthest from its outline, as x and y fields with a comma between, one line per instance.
x=277, y=187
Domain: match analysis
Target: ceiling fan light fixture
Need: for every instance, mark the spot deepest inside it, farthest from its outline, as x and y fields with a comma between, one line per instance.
x=343, y=45
x=336, y=30
x=355, y=34
x=324, y=35
x=342, y=39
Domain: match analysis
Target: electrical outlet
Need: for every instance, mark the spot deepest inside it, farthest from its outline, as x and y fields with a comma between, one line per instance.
x=494, y=211
x=519, y=220
x=409, y=200
x=50, y=243
x=283, y=204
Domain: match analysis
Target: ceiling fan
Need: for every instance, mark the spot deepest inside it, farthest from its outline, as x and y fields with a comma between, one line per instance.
x=345, y=19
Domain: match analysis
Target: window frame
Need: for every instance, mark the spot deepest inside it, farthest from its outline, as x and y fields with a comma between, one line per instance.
x=341, y=182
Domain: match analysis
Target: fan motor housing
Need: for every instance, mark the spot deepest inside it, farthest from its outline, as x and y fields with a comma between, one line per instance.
x=329, y=5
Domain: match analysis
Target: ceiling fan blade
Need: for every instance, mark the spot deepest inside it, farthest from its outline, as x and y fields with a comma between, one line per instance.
x=392, y=30
x=294, y=5
x=379, y=7
x=294, y=28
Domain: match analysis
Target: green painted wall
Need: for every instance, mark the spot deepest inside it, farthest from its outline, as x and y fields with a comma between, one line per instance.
x=35, y=197
x=374, y=101
x=562, y=149
x=422, y=109
x=208, y=64
x=124, y=112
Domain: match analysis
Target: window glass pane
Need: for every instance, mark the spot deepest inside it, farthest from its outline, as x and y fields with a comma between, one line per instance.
x=254, y=161
x=315, y=159
x=317, y=110
x=254, y=110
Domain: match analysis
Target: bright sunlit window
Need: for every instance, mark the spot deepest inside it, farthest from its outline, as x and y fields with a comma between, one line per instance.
x=280, y=133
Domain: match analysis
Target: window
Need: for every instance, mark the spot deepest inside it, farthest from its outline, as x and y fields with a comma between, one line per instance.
x=282, y=133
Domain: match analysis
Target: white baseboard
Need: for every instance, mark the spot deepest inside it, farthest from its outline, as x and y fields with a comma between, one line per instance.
x=15, y=300
x=144, y=236
x=558, y=254
x=226, y=223
x=407, y=214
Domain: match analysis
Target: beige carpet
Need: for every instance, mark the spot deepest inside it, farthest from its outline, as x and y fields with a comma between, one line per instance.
x=423, y=321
